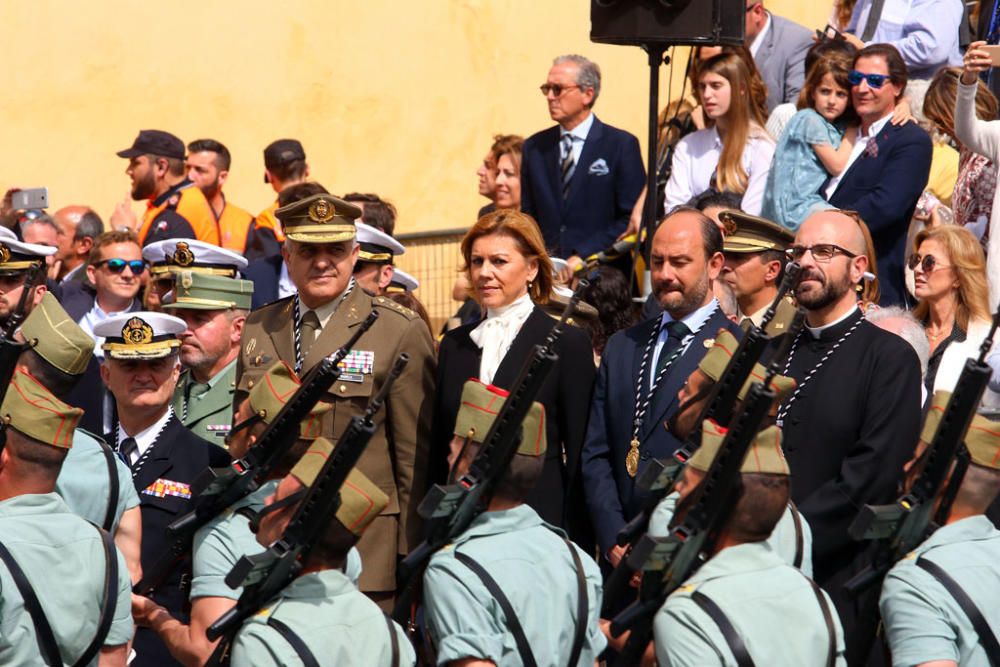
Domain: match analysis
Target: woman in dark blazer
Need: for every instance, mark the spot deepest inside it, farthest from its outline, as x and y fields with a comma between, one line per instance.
x=510, y=272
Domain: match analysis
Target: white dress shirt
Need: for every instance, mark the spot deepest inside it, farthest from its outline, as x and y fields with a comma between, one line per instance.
x=859, y=147
x=285, y=285
x=924, y=31
x=697, y=157
x=145, y=438
x=759, y=39
x=694, y=321
x=579, y=134
x=497, y=332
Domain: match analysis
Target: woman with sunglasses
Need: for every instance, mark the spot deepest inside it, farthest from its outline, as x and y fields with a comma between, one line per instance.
x=949, y=272
x=734, y=153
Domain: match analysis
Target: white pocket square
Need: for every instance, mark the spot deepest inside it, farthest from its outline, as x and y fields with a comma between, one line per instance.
x=599, y=167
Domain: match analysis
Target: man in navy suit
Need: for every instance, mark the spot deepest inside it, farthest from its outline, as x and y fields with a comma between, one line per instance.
x=644, y=367
x=888, y=168
x=580, y=179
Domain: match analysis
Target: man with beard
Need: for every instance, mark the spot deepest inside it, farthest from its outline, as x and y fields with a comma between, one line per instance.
x=644, y=366
x=207, y=166
x=853, y=420
x=175, y=208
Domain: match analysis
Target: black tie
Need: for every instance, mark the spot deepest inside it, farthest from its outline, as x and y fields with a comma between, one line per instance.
x=126, y=449
x=676, y=331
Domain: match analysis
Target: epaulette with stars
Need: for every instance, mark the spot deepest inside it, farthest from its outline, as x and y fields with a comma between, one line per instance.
x=389, y=304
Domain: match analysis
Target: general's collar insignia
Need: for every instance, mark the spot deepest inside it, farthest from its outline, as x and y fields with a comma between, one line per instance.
x=137, y=332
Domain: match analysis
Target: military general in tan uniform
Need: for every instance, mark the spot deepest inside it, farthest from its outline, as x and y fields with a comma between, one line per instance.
x=320, y=252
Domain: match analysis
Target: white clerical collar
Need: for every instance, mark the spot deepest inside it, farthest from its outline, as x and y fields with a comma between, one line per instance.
x=816, y=331
x=146, y=438
x=759, y=39
x=695, y=319
x=581, y=131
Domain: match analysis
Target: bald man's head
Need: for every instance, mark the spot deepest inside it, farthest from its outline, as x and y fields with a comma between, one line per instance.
x=830, y=279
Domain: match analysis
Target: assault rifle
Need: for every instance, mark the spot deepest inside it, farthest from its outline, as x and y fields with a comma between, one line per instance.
x=218, y=488
x=657, y=479
x=264, y=575
x=450, y=509
x=900, y=527
x=10, y=348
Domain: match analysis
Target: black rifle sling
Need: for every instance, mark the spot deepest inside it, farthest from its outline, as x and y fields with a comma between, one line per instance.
x=729, y=633
x=513, y=624
x=109, y=459
x=301, y=650
x=831, y=630
x=393, y=639
x=43, y=631
x=110, y=598
x=987, y=639
x=799, y=536
x=582, y=607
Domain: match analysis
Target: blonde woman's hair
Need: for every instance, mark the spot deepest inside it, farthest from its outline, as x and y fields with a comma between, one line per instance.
x=968, y=262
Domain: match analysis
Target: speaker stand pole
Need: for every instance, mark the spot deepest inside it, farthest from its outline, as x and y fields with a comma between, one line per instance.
x=651, y=211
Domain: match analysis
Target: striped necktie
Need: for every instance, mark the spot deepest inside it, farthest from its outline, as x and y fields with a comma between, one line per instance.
x=566, y=169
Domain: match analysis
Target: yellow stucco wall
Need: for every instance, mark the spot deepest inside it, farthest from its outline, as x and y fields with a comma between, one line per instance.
x=400, y=98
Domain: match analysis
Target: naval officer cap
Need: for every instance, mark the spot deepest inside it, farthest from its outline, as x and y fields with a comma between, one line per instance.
x=16, y=255
x=376, y=246
x=764, y=456
x=56, y=338
x=403, y=281
x=203, y=291
x=747, y=233
x=360, y=499
x=140, y=335
x=479, y=408
x=982, y=439
x=321, y=218
x=269, y=394
x=29, y=408
x=173, y=255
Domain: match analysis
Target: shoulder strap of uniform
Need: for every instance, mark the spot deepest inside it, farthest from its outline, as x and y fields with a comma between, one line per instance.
x=831, y=630
x=393, y=639
x=513, y=624
x=582, y=606
x=729, y=633
x=110, y=598
x=987, y=639
x=43, y=631
x=109, y=459
x=799, y=537
x=301, y=650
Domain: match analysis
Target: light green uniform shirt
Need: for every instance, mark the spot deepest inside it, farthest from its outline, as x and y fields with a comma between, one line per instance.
x=83, y=481
x=338, y=623
x=533, y=567
x=220, y=543
x=923, y=622
x=785, y=539
x=207, y=409
x=62, y=557
x=770, y=603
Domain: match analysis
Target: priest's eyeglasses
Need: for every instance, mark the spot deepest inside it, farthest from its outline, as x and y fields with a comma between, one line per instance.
x=821, y=252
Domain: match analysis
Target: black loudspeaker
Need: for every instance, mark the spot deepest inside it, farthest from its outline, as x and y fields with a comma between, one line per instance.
x=667, y=22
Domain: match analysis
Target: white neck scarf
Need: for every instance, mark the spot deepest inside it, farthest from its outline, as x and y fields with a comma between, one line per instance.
x=496, y=333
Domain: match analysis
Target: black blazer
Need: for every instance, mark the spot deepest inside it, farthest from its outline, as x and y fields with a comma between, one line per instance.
x=178, y=456
x=558, y=496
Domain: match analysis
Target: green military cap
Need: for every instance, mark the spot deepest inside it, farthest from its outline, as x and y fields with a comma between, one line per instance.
x=982, y=439
x=31, y=409
x=764, y=455
x=55, y=337
x=360, y=499
x=479, y=407
x=320, y=218
x=559, y=298
x=203, y=291
x=270, y=394
x=717, y=358
x=749, y=233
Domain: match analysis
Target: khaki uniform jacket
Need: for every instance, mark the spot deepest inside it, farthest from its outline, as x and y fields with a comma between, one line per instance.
x=396, y=457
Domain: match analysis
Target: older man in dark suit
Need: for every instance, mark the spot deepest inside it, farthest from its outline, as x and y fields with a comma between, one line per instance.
x=888, y=168
x=644, y=367
x=779, y=50
x=581, y=178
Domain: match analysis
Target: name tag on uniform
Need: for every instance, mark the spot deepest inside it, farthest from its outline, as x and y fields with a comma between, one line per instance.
x=219, y=430
x=357, y=362
x=351, y=377
x=167, y=487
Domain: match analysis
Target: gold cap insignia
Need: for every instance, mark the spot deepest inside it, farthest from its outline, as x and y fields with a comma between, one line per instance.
x=4, y=254
x=728, y=224
x=186, y=282
x=182, y=255
x=321, y=211
x=137, y=332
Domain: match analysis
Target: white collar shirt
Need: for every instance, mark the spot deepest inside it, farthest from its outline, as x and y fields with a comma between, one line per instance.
x=579, y=134
x=759, y=39
x=860, y=143
x=694, y=321
x=145, y=438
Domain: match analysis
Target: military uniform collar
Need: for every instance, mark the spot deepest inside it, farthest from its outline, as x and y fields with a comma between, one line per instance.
x=970, y=529
x=162, y=199
x=319, y=585
x=521, y=517
x=747, y=557
x=33, y=503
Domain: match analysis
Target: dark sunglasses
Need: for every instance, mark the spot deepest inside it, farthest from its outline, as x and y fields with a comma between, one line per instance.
x=854, y=77
x=557, y=89
x=927, y=263
x=117, y=265
x=821, y=252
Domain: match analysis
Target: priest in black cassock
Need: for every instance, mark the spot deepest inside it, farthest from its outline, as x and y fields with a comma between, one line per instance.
x=853, y=420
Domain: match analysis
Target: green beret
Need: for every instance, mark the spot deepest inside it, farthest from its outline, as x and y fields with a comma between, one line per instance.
x=320, y=218
x=479, y=407
x=270, y=394
x=203, y=291
x=764, y=455
x=982, y=439
x=360, y=499
x=31, y=409
x=748, y=233
x=53, y=334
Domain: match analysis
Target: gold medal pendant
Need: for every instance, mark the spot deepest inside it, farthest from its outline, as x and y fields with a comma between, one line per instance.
x=632, y=458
